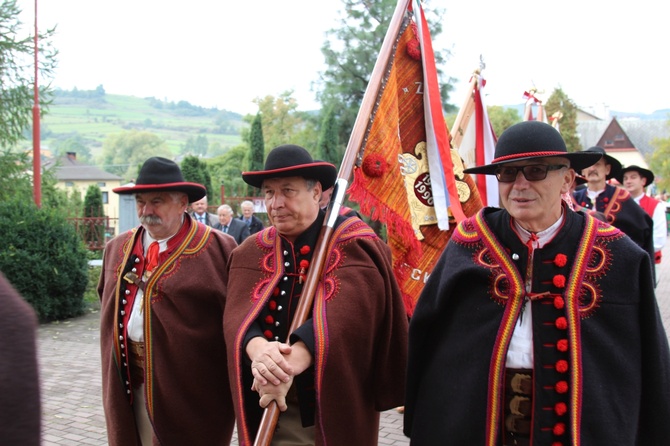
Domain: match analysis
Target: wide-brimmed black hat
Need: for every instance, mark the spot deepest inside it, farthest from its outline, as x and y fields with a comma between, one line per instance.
x=615, y=168
x=646, y=173
x=292, y=161
x=533, y=139
x=163, y=175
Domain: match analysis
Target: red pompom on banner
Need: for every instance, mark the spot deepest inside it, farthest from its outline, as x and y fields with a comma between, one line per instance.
x=414, y=49
x=269, y=319
x=267, y=334
x=272, y=305
x=374, y=165
x=305, y=250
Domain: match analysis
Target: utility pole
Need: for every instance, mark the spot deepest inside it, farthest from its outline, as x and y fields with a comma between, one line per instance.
x=37, y=153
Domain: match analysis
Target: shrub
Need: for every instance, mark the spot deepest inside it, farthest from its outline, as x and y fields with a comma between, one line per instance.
x=44, y=258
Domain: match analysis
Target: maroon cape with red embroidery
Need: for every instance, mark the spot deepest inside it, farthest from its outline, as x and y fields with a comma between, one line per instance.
x=360, y=347
x=187, y=368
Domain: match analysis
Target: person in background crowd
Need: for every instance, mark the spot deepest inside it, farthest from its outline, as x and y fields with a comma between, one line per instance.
x=253, y=223
x=231, y=226
x=19, y=376
x=200, y=213
x=635, y=180
x=614, y=202
x=162, y=291
x=343, y=365
x=538, y=325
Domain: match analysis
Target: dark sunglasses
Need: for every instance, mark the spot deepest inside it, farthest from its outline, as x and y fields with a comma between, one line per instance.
x=532, y=172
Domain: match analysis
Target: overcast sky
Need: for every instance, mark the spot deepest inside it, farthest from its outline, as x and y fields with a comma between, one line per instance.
x=220, y=53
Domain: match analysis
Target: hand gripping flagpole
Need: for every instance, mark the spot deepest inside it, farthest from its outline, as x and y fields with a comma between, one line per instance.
x=271, y=413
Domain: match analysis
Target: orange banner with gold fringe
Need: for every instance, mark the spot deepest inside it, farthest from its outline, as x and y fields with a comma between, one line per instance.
x=392, y=182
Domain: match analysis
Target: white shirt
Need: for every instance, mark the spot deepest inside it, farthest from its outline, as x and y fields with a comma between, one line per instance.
x=520, y=351
x=136, y=319
x=660, y=229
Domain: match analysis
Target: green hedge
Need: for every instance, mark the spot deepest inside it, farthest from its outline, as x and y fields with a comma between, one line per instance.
x=44, y=258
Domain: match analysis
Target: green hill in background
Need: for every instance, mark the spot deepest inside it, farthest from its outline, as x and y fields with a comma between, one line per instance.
x=90, y=116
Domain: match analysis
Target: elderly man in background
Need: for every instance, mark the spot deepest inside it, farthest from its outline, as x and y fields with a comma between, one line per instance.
x=538, y=325
x=231, y=226
x=253, y=223
x=200, y=213
x=162, y=291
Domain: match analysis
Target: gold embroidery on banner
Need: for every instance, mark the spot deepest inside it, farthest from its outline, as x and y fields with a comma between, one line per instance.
x=414, y=168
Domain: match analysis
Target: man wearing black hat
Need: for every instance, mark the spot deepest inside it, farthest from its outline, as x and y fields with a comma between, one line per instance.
x=347, y=361
x=539, y=325
x=615, y=203
x=635, y=179
x=162, y=291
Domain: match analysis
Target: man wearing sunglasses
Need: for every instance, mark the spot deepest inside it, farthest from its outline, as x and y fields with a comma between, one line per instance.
x=538, y=325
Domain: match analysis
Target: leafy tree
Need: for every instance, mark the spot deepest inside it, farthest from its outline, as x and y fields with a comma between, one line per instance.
x=195, y=170
x=93, y=231
x=351, y=51
x=74, y=143
x=328, y=148
x=257, y=148
x=17, y=72
x=56, y=278
x=123, y=153
x=501, y=118
x=560, y=102
x=93, y=202
x=195, y=146
x=281, y=119
x=226, y=170
x=660, y=162
x=15, y=182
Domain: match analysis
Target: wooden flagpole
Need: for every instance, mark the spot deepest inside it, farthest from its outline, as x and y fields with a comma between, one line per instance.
x=271, y=413
x=465, y=113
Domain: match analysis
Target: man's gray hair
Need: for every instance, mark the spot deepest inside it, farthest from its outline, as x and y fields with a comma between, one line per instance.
x=225, y=207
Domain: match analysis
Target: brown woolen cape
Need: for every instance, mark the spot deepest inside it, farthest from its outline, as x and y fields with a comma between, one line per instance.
x=360, y=343
x=186, y=376
x=19, y=380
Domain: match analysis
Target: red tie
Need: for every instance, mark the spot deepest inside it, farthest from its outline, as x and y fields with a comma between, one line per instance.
x=152, y=256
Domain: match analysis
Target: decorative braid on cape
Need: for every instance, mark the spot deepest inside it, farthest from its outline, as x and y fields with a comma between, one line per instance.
x=476, y=230
x=269, y=241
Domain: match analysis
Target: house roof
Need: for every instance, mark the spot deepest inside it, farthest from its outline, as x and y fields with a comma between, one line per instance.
x=640, y=132
x=67, y=168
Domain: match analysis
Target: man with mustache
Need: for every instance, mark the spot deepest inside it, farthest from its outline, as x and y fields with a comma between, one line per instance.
x=538, y=325
x=346, y=363
x=615, y=203
x=163, y=291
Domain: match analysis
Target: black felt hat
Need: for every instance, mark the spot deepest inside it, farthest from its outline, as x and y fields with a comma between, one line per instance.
x=533, y=139
x=615, y=168
x=292, y=161
x=163, y=175
x=646, y=173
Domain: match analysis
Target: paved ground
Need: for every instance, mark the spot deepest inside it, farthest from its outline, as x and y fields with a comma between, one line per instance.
x=70, y=373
